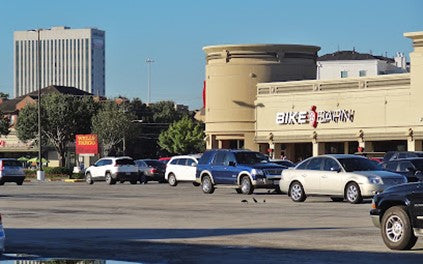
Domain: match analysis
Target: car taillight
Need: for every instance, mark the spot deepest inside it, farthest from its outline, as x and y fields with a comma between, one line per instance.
x=1, y=165
x=153, y=170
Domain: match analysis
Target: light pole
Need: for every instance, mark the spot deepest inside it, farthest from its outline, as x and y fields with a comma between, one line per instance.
x=149, y=61
x=40, y=172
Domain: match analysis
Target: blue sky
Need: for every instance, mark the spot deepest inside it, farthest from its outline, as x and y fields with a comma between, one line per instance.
x=173, y=33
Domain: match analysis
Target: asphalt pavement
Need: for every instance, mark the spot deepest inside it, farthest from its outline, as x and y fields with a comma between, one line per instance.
x=156, y=223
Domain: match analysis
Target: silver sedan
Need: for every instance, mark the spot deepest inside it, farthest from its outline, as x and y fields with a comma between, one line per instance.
x=340, y=176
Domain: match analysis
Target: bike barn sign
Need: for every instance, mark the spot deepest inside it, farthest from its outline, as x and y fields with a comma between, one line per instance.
x=314, y=117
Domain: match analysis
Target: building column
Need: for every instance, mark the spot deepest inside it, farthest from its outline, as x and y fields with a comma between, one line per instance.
x=318, y=148
x=346, y=147
x=414, y=145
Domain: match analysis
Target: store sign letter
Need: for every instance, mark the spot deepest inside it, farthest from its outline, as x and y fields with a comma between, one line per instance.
x=314, y=117
x=86, y=144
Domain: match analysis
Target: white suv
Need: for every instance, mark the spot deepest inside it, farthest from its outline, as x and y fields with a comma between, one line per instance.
x=113, y=169
x=181, y=168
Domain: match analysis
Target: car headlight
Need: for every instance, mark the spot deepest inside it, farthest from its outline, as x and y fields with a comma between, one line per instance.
x=375, y=180
x=257, y=172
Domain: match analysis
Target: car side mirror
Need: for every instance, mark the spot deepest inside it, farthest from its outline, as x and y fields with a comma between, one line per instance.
x=193, y=164
x=232, y=163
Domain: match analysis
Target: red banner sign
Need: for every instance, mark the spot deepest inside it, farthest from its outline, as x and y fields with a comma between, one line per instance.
x=86, y=144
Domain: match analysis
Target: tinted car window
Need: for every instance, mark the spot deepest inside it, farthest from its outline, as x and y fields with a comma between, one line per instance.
x=175, y=161
x=418, y=164
x=107, y=162
x=315, y=164
x=220, y=158
x=125, y=162
x=182, y=162
x=403, y=166
x=154, y=163
x=100, y=163
x=206, y=157
x=358, y=164
x=190, y=162
x=391, y=166
x=303, y=165
x=228, y=158
x=12, y=163
x=330, y=165
x=140, y=163
x=250, y=157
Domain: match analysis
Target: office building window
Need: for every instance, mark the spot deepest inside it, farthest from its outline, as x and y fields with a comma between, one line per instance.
x=362, y=73
x=344, y=74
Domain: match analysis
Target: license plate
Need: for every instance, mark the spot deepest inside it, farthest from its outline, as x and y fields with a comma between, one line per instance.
x=276, y=182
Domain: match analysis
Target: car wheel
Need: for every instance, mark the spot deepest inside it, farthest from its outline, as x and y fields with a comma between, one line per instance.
x=109, y=179
x=246, y=186
x=172, y=179
x=337, y=199
x=296, y=192
x=196, y=184
x=1, y=182
x=207, y=184
x=396, y=229
x=19, y=182
x=88, y=178
x=238, y=190
x=133, y=181
x=353, y=193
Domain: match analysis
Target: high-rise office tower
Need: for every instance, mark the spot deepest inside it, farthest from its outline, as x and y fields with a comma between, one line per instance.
x=69, y=57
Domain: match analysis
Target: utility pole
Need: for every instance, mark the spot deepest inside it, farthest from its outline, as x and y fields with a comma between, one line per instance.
x=149, y=61
x=40, y=172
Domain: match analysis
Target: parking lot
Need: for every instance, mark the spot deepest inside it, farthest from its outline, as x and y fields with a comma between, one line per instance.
x=156, y=223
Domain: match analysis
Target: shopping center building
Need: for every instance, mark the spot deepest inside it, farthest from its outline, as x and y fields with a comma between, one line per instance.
x=265, y=97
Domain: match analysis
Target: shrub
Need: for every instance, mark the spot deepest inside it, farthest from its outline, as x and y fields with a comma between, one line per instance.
x=57, y=171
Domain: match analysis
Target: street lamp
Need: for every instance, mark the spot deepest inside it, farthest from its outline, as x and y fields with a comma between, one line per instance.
x=40, y=172
x=149, y=61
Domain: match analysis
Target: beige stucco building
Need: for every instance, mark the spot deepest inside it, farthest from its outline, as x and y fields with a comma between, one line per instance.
x=378, y=113
x=232, y=74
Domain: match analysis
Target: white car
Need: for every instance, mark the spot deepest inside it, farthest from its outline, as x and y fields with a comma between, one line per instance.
x=340, y=176
x=2, y=237
x=181, y=168
x=113, y=169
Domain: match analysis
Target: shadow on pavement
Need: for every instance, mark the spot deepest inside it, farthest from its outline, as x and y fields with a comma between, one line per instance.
x=133, y=245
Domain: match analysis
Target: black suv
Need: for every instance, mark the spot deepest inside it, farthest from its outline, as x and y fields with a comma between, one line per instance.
x=398, y=212
x=412, y=168
x=244, y=170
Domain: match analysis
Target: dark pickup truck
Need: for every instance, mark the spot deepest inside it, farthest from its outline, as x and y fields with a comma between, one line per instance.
x=398, y=212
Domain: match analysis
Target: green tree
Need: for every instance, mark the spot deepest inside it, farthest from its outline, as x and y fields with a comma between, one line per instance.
x=4, y=124
x=62, y=117
x=4, y=95
x=165, y=112
x=113, y=124
x=183, y=137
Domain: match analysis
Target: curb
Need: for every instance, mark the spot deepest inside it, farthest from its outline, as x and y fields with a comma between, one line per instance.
x=74, y=180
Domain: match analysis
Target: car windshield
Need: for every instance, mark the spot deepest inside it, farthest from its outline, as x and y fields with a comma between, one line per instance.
x=125, y=162
x=12, y=163
x=358, y=164
x=250, y=158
